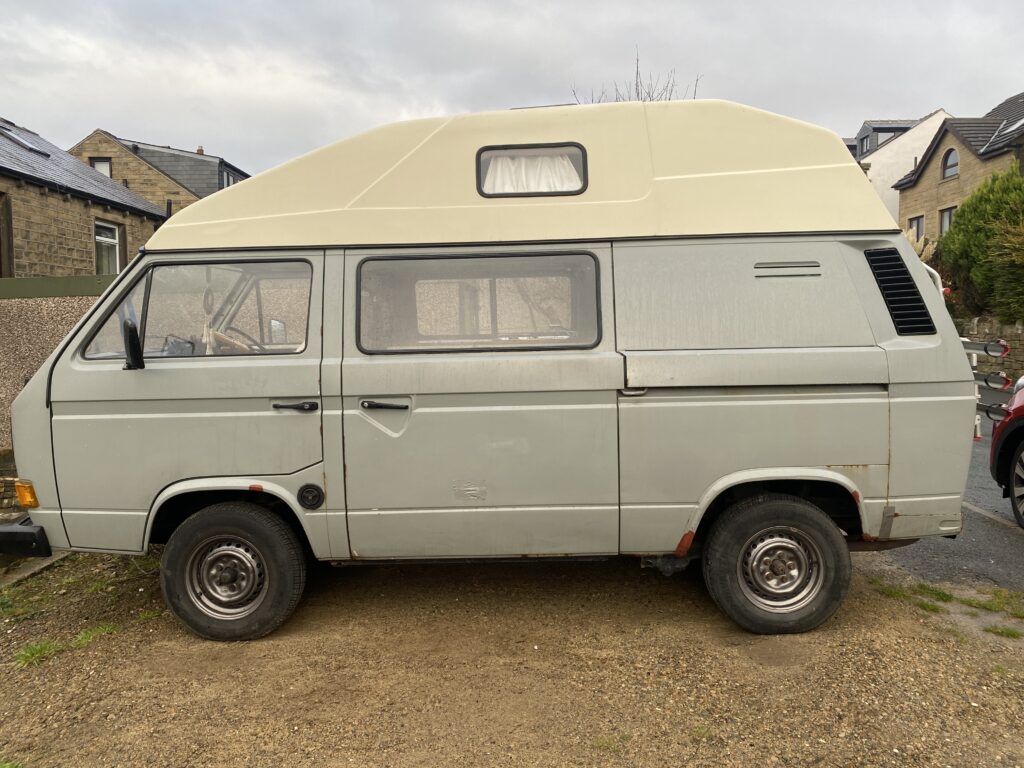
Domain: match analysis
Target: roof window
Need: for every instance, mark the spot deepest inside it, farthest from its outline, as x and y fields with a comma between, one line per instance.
x=532, y=170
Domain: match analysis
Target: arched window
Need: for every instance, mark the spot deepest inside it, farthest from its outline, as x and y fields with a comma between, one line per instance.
x=950, y=164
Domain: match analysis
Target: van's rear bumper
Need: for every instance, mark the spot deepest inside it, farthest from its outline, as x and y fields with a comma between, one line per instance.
x=24, y=539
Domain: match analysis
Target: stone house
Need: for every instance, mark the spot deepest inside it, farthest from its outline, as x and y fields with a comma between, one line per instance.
x=963, y=153
x=59, y=217
x=168, y=177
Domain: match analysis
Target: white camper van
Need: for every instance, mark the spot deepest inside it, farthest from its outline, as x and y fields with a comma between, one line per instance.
x=674, y=331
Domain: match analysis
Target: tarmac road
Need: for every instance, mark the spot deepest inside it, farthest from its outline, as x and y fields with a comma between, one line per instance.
x=989, y=551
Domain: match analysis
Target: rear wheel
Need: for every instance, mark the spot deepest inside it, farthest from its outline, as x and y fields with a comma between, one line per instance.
x=233, y=571
x=1016, y=484
x=776, y=564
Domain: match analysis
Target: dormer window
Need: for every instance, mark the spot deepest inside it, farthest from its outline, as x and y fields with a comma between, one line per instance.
x=950, y=164
x=531, y=170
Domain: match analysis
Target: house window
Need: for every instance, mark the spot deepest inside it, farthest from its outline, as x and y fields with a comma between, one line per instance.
x=227, y=179
x=478, y=303
x=531, y=170
x=103, y=165
x=865, y=145
x=950, y=165
x=884, y=136
x=108, y=246
x=945, y=220
x=916, y=225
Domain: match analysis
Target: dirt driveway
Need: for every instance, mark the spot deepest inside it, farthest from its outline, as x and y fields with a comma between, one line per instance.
x=523, y=664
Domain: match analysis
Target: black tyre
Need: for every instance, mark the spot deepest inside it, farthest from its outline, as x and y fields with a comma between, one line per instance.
x=776, y=564
x=1015, y=484
x=233, y=571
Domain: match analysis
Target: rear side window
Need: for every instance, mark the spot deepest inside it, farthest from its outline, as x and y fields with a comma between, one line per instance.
x=478, y=303
x=213, y=310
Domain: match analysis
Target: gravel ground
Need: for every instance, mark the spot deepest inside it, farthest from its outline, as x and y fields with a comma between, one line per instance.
x=505, y=664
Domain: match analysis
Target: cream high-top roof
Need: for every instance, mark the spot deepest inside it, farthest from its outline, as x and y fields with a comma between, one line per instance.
x=658, y=169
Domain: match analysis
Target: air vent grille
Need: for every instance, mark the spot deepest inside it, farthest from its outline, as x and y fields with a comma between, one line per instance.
x=902, y=299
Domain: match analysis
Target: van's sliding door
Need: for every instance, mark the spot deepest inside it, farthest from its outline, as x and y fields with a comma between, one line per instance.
x=479, y=393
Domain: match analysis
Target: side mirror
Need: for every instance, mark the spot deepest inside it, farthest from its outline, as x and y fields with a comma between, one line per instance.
x=278, y=332
x=132, y=347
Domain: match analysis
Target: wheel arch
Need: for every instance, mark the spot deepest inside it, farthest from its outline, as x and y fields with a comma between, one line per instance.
x=832, y=491
x=179, y=501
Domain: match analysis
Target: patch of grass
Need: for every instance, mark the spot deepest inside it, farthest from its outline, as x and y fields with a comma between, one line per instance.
x=933, y=593
x=149, y=614
x=9, y=764
x=930, y=607
x=892, y=590
x=610, y=742
x=34, y=654
x=1010, y=632
x=982, y=605
x=999, y=670
x=86, y=636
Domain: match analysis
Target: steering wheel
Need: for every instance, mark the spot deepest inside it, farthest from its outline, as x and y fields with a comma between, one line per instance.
x=245, y=336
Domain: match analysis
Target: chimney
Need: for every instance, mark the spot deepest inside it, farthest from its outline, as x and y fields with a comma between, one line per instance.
x=199, y=150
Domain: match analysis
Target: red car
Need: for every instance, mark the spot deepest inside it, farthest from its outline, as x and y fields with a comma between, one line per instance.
x=1006, y=460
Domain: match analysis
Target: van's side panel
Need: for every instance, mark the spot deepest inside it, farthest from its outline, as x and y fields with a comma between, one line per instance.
x=748, y=355
x=932, y=405
x=497, y=453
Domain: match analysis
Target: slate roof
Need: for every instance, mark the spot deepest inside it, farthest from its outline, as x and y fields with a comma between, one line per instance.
x=27, y=155
x=1000, y=130
x=198, y=173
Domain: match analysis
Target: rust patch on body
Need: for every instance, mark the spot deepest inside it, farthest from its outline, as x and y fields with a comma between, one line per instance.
x=683, y=547
x=868, y=537
x=256, y=487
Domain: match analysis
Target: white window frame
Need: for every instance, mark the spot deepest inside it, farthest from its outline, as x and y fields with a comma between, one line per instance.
x=115, y=241
x=105, y=161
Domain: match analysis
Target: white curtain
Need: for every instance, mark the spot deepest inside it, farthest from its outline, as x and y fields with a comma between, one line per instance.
x=531, y=173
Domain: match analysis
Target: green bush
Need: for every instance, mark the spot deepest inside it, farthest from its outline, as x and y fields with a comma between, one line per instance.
x=977, y=254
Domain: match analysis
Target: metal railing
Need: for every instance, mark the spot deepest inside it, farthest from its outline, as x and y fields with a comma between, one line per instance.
x=997, y=381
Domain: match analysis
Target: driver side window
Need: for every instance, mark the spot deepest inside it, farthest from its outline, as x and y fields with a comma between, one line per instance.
x=213, y=310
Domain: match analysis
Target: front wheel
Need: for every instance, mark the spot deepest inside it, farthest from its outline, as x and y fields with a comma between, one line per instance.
x=776, y=564
x=1016, y=483
x=233, y=571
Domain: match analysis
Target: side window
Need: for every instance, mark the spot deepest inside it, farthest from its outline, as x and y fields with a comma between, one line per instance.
x=214, y=309
x=108, y=343
x=478, y=303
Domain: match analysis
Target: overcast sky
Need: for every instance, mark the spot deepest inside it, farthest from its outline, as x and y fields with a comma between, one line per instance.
x=261, y=82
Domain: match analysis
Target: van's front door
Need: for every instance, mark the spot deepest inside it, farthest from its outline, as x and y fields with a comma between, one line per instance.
x=230, y=387
x=479, y=395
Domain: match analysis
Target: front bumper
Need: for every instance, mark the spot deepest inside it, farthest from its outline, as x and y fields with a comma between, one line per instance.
x=24, y=539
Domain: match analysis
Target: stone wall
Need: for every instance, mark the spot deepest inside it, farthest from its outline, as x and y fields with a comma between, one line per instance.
x=932, y=193
x=54, y=233
x=134, y=172
x=30, y=329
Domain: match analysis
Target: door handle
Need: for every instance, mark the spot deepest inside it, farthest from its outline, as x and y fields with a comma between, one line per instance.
x=633, y=391
x=307, y=405
x=373, y=404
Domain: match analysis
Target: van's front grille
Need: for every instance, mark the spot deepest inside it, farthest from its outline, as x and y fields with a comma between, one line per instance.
x=902, y=299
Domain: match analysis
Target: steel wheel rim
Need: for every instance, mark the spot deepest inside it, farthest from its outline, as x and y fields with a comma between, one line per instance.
x=780, y=569
x=227, y=577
